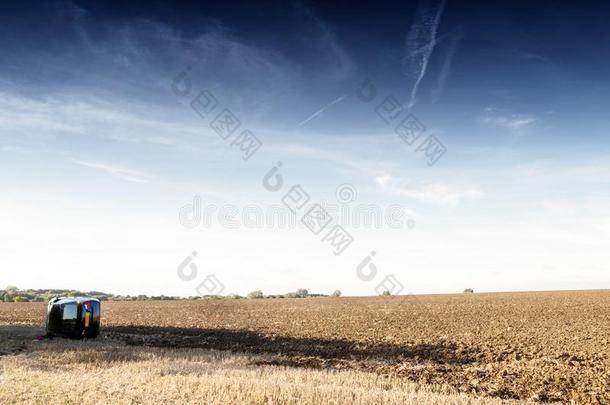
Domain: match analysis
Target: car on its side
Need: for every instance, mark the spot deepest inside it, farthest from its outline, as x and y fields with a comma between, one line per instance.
x=73, y=317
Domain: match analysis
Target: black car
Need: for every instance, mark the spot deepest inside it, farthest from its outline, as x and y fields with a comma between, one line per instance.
x=74, y=317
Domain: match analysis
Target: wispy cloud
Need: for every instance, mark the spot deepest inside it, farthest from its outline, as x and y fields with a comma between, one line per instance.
x=506, y=119
x=64, y=115
x=514, y=121
x=524, y=55
x=344, y=63
x=433, y=193
x=120, y=172
x=446, y=68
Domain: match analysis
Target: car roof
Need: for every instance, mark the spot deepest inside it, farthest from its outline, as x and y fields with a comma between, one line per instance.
x=67, y=300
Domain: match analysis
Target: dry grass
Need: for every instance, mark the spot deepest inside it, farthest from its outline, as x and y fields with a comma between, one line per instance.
x=73, y=372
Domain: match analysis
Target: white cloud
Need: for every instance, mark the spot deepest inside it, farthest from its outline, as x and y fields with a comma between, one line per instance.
x=68, y=114
x=504, y=118
x=513, y=121
x=346, y=153
x=563, y=172
x=433, y=193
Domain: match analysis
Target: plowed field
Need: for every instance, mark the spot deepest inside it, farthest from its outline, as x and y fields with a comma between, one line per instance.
x=543, y=346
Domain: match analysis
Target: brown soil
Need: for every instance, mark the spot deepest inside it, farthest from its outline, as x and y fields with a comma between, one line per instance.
x=545, y=346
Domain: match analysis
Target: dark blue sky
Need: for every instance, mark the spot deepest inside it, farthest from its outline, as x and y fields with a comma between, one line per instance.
x=527, y=57
x=517, y=93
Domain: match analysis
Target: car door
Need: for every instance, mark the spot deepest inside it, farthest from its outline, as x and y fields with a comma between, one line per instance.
x=69, y=318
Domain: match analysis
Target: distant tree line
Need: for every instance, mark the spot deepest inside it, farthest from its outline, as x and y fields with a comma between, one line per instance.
x=300, y=293
x=13, y=294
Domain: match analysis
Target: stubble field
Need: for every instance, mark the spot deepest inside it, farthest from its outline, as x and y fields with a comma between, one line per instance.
x=540, y=346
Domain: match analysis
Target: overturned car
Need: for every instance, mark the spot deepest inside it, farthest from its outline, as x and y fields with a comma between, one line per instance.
x=73, y=317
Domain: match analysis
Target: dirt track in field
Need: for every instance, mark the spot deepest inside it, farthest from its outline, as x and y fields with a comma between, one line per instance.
x=546, y=346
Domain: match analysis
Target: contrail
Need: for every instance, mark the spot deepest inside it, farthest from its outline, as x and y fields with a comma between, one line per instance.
x=321, y=110
x=442, y=77
x=432, y=44
x=424, y=30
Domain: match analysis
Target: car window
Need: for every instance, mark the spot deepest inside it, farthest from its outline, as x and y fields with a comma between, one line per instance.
x=70, y=312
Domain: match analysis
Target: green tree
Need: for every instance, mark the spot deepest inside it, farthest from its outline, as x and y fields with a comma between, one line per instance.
x=257, y=294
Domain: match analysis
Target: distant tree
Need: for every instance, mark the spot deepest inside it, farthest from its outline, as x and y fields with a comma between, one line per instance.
x=469, y=291
x=19, y=298
x=11, y=289
x=256, y=294
x=336, y=293
x=386, y=293
x=302, y=293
